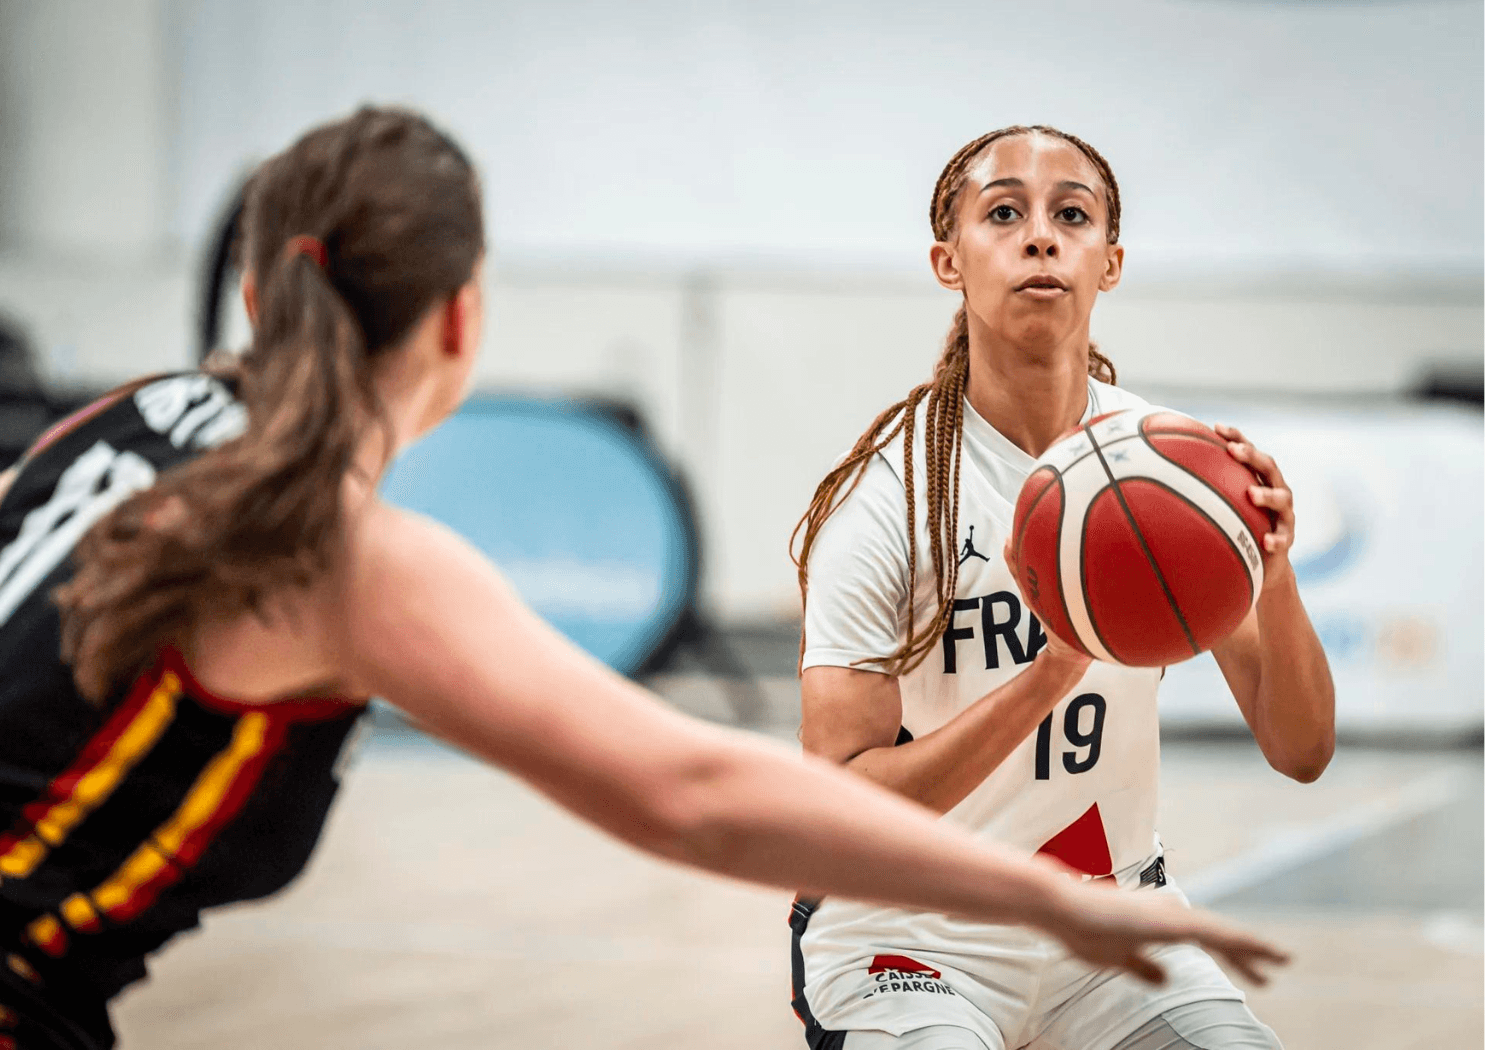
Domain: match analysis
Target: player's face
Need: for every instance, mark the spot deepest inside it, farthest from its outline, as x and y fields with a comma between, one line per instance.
x=1031, y=250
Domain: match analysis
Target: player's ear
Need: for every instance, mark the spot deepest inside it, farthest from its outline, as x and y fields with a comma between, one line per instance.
x=463, y=317
x=945, y=266
x=1113, y=269
x=250, y=296
x=453, y=326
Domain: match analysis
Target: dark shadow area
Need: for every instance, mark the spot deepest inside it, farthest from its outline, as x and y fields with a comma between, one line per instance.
x=27, y=406
x=762, y=649
x=1455, y=384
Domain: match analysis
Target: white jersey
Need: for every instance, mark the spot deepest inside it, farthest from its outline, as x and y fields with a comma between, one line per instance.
x=1083, y=785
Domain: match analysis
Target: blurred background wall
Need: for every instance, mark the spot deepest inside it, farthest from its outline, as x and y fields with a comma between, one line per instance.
x=716, y=210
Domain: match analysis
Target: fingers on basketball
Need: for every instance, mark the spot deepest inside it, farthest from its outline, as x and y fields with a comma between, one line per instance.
x=1281, y=500
x=1265, y=465
x=1260, y=462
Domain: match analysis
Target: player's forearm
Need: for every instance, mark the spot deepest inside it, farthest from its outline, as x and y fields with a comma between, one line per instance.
x=761, y=815
x=1295, y=724
x=939, y=769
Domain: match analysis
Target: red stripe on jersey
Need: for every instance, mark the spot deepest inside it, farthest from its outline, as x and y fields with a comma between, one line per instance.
x=61, y=429
x=98, y=751
x=216, y=797
x=292, y=709
x=47, y=934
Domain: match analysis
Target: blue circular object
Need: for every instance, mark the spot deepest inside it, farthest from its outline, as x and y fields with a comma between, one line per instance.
x=576, y=508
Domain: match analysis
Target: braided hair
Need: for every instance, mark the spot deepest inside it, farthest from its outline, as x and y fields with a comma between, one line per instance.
x=943, y=437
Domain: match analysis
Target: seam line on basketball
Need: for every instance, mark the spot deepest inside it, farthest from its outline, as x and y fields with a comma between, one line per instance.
x=1021, y=532
x=1219, y=443
x=1242, y=561
x=1083, y=585
x=1089, y=455
x=1149, y=554
x=1021, y=535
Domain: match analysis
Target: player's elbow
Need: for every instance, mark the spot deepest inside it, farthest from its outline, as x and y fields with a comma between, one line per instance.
x=1308, y=771
x=1306, y=764
x=693, y=816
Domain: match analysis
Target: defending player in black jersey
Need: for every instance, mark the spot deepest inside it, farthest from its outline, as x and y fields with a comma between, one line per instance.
x=198, y=588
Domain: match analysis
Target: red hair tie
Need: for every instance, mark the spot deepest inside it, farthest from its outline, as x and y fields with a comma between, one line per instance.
x=304, y=244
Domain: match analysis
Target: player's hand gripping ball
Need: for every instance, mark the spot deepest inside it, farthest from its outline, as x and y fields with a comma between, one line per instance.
x=1136, y=539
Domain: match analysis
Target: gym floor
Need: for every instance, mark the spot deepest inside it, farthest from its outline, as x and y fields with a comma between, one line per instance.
x=450, y=907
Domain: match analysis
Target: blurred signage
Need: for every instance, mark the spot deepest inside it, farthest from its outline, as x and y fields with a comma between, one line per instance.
x=575, y=507
x=1388, y=553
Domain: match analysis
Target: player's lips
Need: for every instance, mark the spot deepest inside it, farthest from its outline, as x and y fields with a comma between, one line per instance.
x=1042, y=285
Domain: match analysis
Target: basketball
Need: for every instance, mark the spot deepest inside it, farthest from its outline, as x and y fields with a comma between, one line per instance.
x=1135, y=540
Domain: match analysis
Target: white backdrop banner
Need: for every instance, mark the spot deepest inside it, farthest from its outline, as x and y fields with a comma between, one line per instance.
x=1388, y=502
x=713, y=132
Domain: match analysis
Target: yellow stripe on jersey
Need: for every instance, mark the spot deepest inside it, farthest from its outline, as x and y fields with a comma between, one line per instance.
x=201, y=804
x=78, y=911
x=95, y=785
x=47, y=934
x=21, y=968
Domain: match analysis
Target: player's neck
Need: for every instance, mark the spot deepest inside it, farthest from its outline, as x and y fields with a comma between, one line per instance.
x=1031, y=397
x=409, y=395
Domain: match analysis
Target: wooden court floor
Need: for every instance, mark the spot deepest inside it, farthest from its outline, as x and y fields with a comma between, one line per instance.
x=448, y=907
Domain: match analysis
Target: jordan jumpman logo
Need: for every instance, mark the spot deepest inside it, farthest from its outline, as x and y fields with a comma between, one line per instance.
x=968, y=550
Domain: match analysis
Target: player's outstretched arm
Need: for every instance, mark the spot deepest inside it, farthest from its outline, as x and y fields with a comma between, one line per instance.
x=431, y=626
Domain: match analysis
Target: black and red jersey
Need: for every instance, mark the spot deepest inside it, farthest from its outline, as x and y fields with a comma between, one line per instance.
x=120, y=823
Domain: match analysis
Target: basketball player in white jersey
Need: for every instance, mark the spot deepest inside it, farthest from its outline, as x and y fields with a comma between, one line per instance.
x=924, y=671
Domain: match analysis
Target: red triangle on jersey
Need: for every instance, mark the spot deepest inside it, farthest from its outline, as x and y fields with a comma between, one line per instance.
x=882, y=963
x=1082, y=845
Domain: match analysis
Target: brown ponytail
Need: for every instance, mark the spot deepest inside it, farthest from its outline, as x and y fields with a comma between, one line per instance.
x=396, y=205
x=943, y=439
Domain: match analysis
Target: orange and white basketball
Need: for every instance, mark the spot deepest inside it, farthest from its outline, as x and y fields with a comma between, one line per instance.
x=1136, y=541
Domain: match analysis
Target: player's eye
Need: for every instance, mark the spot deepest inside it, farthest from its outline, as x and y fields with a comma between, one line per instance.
x=1073, y=215
x=1003, y=213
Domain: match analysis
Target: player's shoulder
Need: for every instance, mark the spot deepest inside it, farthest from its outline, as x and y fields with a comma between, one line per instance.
x=870, y=507
x=394, y=555
x=413, y=597
x=880, y=484
x=891, y=454
x=385, y=542
x=1108, y=398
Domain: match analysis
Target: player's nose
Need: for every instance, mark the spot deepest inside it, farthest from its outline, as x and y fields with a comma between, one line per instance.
x=1041, y=246
x=1041, y=238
